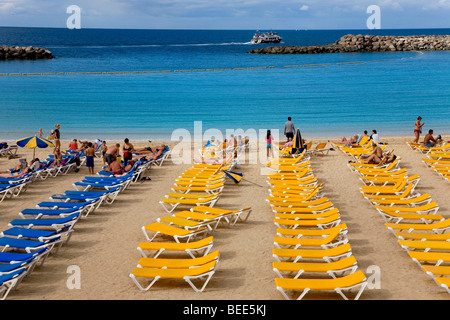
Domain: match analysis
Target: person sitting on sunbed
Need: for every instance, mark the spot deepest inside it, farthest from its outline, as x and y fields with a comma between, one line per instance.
x=73, y=145
x=116, y=168
x=376, y=156
x=429, y=141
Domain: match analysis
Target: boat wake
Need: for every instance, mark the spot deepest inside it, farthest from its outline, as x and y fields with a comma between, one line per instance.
x=148, y=45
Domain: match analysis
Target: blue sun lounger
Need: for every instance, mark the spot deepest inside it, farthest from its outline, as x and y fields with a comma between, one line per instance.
x=27, y=245
x=88, y=185
x=108, y=195
x=55, y=224
x=10, y=281
x=14, y=257
x=86, y=207
x=11, y=267
x=38, y=213
x=37, y=234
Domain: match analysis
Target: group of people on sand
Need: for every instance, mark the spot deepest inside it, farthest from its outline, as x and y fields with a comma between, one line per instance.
x=131, y=155
x=429, y=141
x=356, y=138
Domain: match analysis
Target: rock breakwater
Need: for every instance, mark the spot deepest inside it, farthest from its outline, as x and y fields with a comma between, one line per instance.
x=367, y=43
x=24, y=53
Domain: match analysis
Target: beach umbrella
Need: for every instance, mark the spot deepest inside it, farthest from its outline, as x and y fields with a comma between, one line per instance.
x=237, y=177
x=297, y=146
x=33, y=143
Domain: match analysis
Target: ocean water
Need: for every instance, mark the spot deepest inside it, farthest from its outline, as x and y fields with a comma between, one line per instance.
x=222, y=85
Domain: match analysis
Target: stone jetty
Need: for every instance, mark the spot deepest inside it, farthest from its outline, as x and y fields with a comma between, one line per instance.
x=367, y=43
x=24, y=53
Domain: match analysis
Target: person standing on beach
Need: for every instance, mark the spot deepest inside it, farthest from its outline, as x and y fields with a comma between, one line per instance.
x=90, y=153
x=418, y=129
x=128, y=150
x=40, y=133
x=269, y=144
x=103, y=148
x=57, y=136
x=112, y=153
x=289, y=129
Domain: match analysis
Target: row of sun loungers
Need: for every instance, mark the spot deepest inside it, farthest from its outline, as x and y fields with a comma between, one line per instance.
x=13, y=187
x=412, y=217
x=43, y=230
x=311, y=248
x=190, y=231
x=6, y=151
x=439, y=161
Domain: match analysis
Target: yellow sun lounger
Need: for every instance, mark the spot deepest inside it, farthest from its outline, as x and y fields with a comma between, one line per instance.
x=313, y=209
x=173, y=200
x=437, y=258
x=324, y=223
x=174, y=263
x=346, y=283
x=188, y=274
x=427, y=246
x=334, y=239
x=288, y=201
x=416, y=217
x=201, y=217
x=202, y=247
x=406, y=194
x=410, y=202
x=188, y=224
x=395, y=189
x=437, y=273
x=402, y=235
x=308, y=233
x=307, y=216
x=214, y=188
x=333, y=269
x=178, y=234
x=438, y=227
x=327, y=255
x=429, y=208
x=239, y=215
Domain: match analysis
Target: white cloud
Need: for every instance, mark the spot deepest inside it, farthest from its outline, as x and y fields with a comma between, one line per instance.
x=304, y=8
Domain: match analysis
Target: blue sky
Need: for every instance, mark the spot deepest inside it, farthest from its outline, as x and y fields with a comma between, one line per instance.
x=227, y=14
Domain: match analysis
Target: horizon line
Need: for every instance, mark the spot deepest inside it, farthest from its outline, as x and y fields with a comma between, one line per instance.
x=199, y=29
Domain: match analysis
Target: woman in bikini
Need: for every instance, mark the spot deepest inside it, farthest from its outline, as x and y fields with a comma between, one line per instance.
x=418, y=129
x=128, y=150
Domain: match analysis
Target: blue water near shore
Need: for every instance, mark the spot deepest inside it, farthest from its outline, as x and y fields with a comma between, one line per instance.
x=383, y=91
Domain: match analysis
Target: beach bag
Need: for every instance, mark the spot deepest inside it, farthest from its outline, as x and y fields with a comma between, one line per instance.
x=3, y=145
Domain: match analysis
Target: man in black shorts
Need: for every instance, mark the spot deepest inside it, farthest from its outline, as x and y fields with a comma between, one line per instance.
x=289, y=129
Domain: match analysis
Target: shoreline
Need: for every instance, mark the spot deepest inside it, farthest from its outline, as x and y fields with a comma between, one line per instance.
x=445, y=136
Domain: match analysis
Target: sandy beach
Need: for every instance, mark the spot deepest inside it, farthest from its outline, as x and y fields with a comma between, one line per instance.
x=104, y=244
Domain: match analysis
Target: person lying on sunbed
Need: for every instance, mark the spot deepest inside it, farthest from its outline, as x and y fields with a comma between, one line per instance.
x=152, y=155
x=18, y=174
x=150, y=150
x=350, y=141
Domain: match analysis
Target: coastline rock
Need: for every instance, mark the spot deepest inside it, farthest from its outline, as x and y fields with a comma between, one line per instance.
x=367, y=43
x=24, y=53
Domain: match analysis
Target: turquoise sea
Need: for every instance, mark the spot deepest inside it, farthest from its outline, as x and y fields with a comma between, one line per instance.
x=209, y=76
